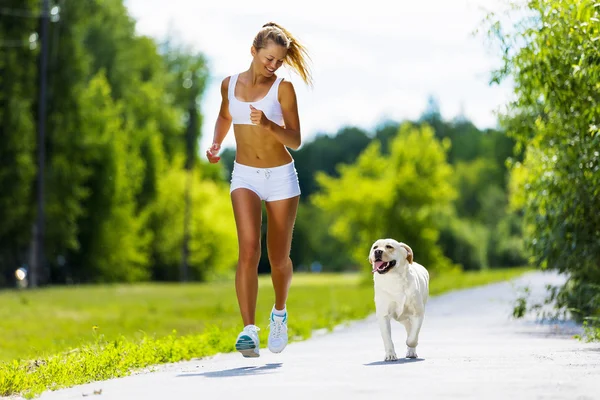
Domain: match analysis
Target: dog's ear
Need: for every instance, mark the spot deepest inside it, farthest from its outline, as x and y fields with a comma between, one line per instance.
x=370, y=258
x=409, y=255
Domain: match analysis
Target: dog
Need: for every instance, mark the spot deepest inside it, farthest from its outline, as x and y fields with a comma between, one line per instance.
x=401, y=288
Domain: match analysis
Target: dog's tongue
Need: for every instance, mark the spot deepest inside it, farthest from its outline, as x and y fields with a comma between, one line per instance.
x=377, y=264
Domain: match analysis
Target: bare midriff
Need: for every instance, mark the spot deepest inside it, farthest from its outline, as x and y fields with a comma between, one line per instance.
x=257, y=147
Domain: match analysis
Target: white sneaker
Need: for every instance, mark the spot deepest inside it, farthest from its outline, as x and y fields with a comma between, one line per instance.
x=278, y=336
x=247, y=341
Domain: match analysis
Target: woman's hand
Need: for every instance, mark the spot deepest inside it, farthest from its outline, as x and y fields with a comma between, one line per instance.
x=211, y=153
x=258, y=117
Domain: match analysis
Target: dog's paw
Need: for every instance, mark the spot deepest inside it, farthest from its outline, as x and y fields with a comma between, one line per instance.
x=391, y=356
x=411, y=352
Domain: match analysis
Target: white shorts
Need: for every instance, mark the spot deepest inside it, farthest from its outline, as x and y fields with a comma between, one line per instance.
x=270, y=184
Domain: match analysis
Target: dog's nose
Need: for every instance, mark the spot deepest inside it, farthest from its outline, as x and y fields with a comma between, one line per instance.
x=378, y=253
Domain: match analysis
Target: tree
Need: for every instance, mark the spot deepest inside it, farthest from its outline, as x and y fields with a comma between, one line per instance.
x=400, y=195
x=213, y=243
x=121, y=115
x=553, y=56
x=325, y=152
x=313, y=243
x=18, y=74
x=112, y=237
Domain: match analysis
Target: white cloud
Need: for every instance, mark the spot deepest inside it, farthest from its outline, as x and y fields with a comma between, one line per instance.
x=370, y=61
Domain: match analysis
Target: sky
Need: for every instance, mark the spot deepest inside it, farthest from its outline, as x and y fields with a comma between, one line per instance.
x=370, y=62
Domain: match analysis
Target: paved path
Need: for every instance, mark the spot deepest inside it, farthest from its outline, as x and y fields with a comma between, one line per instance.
x=469, y=349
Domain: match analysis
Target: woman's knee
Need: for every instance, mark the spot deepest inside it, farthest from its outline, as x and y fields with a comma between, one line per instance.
x=279, y=262
x=249, y=252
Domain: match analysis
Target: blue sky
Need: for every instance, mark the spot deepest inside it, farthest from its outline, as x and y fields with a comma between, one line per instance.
x=370, y=61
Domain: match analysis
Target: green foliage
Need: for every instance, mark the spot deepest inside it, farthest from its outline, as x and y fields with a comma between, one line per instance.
x=520, y=308
x=401, y=195
x=313, y=242
x=123, y=111
x=591, y=330
x=187, y=79
x=17, y=136
x=111, y=359
x=468, y=142
x=474, y=179
x=465, y=242
x=506, y=245
x=552, y=55
x=560, y=299
x=480, y=159
x=325, y=152
x=485, y=232
x=213, y=247
x=94, y=332
x=113, y=242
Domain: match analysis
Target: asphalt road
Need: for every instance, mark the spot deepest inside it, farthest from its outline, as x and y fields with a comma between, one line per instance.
x=469, y=348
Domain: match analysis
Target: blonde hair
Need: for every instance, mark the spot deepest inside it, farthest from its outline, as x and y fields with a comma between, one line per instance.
x=296, y=57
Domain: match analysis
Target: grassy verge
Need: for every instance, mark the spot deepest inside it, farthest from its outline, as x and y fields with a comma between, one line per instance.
x=60, y=337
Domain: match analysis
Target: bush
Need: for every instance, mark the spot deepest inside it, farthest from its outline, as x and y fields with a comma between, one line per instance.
x=465, y=243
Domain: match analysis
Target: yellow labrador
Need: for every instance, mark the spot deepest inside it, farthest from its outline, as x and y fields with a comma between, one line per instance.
x=401, y=292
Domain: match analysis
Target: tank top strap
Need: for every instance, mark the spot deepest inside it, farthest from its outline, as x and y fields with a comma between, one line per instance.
x=274, y=91
x=231, y=88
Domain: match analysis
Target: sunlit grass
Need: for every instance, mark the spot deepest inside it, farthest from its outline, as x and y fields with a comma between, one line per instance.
x=58, y=337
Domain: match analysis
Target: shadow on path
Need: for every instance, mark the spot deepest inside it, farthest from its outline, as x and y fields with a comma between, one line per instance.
x=399, y=361
x=241, y=371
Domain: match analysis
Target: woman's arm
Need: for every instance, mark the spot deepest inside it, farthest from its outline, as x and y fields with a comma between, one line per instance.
x=222, y=125
x=289, y=134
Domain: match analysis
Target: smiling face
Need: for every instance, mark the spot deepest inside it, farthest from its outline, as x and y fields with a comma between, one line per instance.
x=268, y=59
x=385, y=254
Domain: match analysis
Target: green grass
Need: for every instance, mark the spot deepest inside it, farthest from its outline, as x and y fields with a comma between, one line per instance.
x=60, y=337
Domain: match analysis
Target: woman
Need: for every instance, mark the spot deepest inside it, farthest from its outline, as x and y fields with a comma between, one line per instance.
x=264, y=113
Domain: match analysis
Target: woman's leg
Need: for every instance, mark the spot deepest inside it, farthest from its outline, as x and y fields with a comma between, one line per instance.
x=247, y=210
x=281, y=216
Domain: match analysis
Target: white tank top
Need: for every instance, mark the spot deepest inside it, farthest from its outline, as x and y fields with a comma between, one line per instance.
x=269, y=105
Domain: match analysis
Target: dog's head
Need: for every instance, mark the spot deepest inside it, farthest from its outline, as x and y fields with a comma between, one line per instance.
x=385, y=254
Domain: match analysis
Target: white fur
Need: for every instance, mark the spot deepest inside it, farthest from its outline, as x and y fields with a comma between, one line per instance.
x=401, y=294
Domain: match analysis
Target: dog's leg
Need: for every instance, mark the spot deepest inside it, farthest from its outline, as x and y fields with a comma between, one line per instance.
x=386, y=334
x=413, y=327
x=408, y=325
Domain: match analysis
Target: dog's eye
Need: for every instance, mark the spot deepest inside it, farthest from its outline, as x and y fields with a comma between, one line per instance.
x=387, y=246
x=374, y=247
